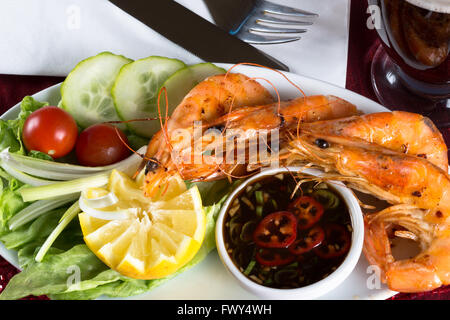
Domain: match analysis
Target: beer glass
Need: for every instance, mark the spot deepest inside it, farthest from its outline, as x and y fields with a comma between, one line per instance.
x=411, y=69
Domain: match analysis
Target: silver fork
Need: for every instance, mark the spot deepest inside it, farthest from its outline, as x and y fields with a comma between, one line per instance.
x=260, y=21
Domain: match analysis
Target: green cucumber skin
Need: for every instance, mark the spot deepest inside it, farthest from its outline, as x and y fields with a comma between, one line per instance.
x=174, y=65
x=178, y=86
x=188, y=78
x=211, y=66
x=83, y=123
x=183, y=81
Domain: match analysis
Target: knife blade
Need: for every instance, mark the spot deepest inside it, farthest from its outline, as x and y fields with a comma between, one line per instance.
x=195, y=34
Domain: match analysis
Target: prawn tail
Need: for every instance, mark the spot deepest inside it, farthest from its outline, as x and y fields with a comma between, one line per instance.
x=377, y=247
x=412, y=275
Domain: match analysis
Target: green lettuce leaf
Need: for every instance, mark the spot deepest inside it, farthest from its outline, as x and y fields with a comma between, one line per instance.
x=39, y=155
x=10, y=203
x=38, y=229
x=11, y=130
x=54, y=276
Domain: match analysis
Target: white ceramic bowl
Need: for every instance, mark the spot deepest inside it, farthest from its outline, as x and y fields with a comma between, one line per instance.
x=314, y=290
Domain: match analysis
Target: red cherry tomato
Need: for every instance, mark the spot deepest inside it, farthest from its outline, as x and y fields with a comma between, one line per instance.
x=307, y=210
x=100, y=145
x=273, y=257
x=50, y=130
x=313, y=239
x=276, y=230
x=337, y=242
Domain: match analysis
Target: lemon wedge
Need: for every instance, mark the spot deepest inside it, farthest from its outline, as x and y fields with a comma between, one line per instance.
x=159, y=235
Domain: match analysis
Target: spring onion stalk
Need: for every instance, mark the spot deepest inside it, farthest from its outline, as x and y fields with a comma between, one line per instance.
x=8, y=159
x=47, y=165
x=250, y=267
x=259, y=211
x=23, y=177
x=274, y=204
x=64, y=171
x=68, y=216
x=259, y=197
x=38, y=208
x=64, y=187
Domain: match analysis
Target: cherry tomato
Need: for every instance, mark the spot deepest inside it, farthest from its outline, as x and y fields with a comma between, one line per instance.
x=313, y=239
x=50, y=130
x=276, y=230
x=100, y=145
x=337, y=242
x=273, y=257
x=307, y=210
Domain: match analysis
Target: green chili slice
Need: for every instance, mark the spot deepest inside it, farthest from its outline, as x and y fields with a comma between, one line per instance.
x=284, y=276
x=247, y=231
x=327, y=198
x=235, y=230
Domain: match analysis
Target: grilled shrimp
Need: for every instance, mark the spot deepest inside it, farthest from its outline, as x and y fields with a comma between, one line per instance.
x=389, y=175
x=428, y=270
x=400, y=131
x=419, y=191
x=288, y=114
x=209, y=100
x=246, y=125
x=223, y=101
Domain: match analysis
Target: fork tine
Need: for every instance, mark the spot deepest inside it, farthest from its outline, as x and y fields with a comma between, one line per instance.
x=267, y=29
x=253, y=38
x=261, y=17
x=273, y=8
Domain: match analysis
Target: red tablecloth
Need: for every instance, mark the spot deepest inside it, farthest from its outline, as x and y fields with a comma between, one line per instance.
x=362, y=45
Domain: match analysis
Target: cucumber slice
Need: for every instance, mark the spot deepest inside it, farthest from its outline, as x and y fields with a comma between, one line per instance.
x=177, y=85
x=86, y=92
x=181, y=82
x=136, y=89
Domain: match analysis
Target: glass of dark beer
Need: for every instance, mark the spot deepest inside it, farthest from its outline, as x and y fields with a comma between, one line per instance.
x=411, y=69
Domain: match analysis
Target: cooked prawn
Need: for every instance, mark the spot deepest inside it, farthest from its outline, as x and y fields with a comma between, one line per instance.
x=227, y=101
x=428, y=270
x=287, y=114
x=209, y=100
x=389, y=175
x=400, y=131
x=419, y=190
x=250, y=122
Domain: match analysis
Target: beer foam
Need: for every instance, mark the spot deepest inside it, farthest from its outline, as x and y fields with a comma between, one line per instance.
x=433, y=5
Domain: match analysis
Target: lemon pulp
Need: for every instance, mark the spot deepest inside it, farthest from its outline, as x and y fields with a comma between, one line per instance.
x=159, y=236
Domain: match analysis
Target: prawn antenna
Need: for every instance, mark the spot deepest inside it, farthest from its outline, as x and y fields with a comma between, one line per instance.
x=134, y=151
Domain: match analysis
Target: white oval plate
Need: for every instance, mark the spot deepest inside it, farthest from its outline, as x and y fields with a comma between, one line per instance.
x=210, y=280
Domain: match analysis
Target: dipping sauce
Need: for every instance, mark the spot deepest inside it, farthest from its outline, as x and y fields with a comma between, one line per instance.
x=284, y=241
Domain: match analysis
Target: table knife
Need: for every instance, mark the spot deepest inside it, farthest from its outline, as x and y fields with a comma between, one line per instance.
x=195, y=34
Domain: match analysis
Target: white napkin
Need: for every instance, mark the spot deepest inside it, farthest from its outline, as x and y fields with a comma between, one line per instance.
x=49, y=37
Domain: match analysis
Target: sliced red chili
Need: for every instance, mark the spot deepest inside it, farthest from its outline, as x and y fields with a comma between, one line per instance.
x=337, y=242
x=276, y=230
x=313, y=238
x=307, y=210
x=273, y=257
